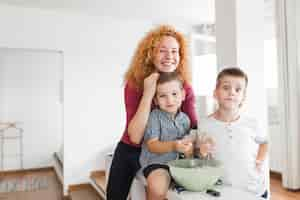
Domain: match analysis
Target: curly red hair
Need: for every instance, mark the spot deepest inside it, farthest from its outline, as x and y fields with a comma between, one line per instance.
x=142, y=65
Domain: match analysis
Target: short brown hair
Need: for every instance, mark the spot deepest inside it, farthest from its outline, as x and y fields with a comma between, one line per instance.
x=232, y=71
x=166, y=77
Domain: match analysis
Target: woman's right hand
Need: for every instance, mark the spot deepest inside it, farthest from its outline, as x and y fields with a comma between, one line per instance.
x=150, y=84
x=138, y=122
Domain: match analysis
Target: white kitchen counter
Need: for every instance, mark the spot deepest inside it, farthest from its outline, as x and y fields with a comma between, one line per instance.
x=227, y=193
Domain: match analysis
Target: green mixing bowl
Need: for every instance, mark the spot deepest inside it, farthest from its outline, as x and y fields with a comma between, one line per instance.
x=195, y=174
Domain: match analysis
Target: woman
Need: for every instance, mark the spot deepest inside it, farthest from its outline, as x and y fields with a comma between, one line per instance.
x=162, y=50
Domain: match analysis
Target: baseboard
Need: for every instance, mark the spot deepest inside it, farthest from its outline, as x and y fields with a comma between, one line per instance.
x=22, y=171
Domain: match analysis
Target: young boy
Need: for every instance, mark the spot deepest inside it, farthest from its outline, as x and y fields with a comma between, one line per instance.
x=164, y=134
x=239, y=142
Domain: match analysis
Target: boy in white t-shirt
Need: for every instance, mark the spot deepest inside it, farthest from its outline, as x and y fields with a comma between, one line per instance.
x=239, y=142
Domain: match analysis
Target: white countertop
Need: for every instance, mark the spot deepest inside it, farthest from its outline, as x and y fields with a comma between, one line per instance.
x=227, y=193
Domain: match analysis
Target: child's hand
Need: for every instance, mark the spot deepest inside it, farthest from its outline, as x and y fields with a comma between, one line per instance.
x=185, y=147
x=206, y=145
x=191, y=137
x=189, y=150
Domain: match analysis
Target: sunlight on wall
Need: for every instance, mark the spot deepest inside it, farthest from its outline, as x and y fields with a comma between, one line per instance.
x=204, y=74
x=270, y=64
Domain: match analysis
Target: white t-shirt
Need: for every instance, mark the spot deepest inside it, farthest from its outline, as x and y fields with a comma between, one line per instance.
x=237, y=147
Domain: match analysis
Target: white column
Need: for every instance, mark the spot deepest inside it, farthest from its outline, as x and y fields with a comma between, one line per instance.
x=239, y=42
x=226, y=47
x=289, y=89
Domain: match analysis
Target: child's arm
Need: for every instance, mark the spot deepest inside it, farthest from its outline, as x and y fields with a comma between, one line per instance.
x=156, y=146
x=261, y=154
x=262, y=140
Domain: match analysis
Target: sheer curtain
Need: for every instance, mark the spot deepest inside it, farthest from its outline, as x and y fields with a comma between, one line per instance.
x=289, y=89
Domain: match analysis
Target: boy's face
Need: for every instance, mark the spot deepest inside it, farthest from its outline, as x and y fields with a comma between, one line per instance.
x=230, y=92
x=169, y=96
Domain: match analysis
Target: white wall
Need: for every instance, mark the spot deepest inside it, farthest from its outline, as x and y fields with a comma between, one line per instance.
x=96, y=52
x=191, y=11
x=271, y=85
x=30, y=96
x=275, y=151
x=298, y=59
x=298, y=31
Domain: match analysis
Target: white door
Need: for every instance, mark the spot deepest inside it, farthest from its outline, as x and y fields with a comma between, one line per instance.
x=30, y=94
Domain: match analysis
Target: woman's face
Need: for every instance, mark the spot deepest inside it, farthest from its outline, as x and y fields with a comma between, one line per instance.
x=166, y=55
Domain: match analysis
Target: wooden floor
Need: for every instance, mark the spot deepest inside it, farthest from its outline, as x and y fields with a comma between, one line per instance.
x=279, y=193
x=52, y=192
x=86, y=193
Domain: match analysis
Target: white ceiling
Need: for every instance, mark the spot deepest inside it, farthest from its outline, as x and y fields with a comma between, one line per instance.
x=190, y=11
